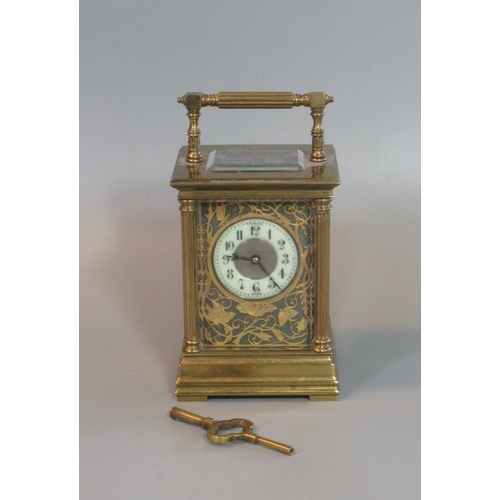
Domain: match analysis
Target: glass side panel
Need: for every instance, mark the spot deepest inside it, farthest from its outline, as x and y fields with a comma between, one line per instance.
x=266, y=160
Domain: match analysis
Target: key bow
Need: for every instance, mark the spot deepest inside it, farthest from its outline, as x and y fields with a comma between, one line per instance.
x=219, y=425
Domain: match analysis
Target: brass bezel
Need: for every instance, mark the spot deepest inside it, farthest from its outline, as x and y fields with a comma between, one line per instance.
x=216, y=281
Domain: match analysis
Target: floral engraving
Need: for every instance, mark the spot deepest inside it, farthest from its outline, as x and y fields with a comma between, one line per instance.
x=285, y=320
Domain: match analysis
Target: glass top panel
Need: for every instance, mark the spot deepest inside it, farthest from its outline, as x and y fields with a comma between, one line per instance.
x=267, y=160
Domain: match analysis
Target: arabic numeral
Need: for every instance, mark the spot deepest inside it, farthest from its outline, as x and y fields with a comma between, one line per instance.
x=254, y=230
x=282, y=273
x=241, y=281
x=229, y=245
x=256, y=288
x=285, y=259
x=272, y=284
x=225, y=259
x=281, y=243
x=230, y=274
x=239, y=234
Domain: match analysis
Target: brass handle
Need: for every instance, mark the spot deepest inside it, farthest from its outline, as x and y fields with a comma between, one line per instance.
x=245, y=100
x=194, y=101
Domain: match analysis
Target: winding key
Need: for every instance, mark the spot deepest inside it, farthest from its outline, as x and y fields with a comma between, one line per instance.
x=215, y=426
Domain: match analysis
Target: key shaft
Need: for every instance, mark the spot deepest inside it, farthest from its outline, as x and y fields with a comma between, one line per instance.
x=190, y=418
x=274, y=445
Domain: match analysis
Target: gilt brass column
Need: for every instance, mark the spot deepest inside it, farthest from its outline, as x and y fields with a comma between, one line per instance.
x=317, y=103
x=188, y=211
x=193, y=103
x=317, y=132
x=322, y=320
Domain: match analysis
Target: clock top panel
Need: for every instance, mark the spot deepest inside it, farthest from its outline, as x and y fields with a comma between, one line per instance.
x=256, y=167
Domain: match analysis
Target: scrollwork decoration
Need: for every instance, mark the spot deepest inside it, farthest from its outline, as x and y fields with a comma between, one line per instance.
x=285, y=320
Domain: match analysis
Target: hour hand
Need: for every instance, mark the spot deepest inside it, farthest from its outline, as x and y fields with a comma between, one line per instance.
x=235, y=257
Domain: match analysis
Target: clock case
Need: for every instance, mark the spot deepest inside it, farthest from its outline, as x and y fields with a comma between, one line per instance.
x=279, y=369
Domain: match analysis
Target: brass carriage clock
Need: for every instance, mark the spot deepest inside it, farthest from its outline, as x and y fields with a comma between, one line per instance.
x=256, y=259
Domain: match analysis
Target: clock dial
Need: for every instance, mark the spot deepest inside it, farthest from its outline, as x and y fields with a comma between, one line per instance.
x=255, y=259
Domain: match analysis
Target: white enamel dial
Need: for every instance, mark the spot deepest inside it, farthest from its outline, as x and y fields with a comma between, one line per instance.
x=255, y=259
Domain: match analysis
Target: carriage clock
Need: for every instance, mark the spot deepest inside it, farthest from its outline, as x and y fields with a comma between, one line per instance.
x=256, y=259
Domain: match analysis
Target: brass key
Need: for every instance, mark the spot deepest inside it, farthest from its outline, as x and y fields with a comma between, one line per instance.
x=214, y=426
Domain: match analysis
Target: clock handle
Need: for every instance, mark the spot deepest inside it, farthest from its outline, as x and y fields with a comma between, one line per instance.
x=194, y=101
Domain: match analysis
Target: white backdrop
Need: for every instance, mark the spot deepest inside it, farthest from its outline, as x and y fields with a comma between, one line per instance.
x=136, y=58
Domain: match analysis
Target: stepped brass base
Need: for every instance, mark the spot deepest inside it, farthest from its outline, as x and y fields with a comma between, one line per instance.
x=251, y=373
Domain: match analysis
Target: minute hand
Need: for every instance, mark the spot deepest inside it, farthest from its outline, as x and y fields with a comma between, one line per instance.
x=270, y=277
